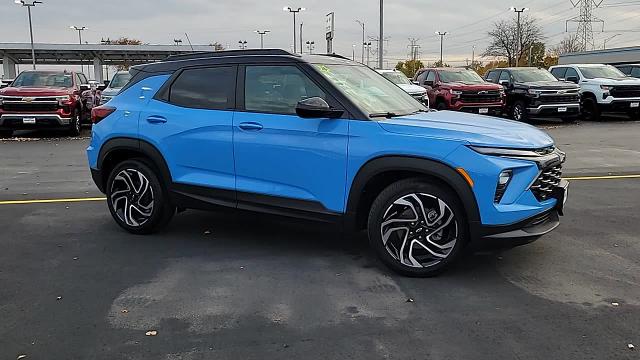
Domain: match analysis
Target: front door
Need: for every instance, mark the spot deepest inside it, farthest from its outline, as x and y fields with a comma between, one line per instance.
x=283, y=160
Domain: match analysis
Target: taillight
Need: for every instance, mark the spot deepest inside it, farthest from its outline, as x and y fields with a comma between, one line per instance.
x=100, y=112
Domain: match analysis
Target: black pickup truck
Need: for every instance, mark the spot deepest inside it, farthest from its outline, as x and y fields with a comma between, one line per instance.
x=533, y=92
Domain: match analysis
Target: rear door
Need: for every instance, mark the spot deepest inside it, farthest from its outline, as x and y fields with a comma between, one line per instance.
x=190, y=122
x=284, y=161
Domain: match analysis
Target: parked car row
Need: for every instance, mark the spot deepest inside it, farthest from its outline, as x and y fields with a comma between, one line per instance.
x=53, y=100
x=521, y=93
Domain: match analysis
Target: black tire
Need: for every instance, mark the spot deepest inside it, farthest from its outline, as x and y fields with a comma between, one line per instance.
x=590, y=110
x=75, y=127
x=388, y=210
x=634, y=115
x=519, y=112
x=441, y=105
x=5, y=133
x=161, y=210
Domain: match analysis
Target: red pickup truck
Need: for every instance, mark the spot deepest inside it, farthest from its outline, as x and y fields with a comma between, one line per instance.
x=43, y=100
x=460, y=90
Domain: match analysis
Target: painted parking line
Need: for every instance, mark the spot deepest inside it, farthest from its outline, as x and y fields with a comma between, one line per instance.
x=49, y=201
x=72, y=200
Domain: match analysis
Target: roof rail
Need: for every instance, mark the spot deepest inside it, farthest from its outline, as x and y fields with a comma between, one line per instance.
x=334, y=55
x=213, y=54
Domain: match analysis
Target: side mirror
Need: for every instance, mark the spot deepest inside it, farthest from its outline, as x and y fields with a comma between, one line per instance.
x=573, y=79
x=429, y=83
x=415, y=82
x=84, y=87
x=504, y=83
x=316, y=107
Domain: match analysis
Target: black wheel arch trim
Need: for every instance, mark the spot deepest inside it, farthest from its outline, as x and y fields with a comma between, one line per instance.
x=428, y=167
x=132, y=144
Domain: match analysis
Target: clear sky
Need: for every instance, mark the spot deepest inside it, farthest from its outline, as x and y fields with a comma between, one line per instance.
x=228, y=21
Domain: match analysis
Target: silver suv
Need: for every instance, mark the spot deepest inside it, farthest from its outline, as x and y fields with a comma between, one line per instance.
x=118, y=81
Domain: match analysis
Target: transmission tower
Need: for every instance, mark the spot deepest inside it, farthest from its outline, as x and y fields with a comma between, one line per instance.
x=414, y=49
x=585, y=22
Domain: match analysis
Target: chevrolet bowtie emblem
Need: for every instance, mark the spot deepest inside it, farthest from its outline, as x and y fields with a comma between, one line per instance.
x=28, y=99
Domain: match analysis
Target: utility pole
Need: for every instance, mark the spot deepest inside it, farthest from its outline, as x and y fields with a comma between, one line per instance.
x=473, y=55
x=368, y=47
x=413, y=53
x=29, y=5
x=262, y=33
x=585, y=22
x=243, y=44
x=442, y=35
x=294, y=12
x=353, y=52
x=381, y=37
x=301, y=48
x=79, y=29
x=363, y=38
x=518, y=11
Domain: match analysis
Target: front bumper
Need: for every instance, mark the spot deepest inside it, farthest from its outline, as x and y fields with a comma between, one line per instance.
x=621, y=105
x=19, y=121
x=555, y=109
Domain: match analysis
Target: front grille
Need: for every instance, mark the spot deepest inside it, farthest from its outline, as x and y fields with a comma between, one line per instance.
x=548, y=180
x=560, y=99
x=487, y=96
x=419, y=97
x=28, y=107
x=625, y=91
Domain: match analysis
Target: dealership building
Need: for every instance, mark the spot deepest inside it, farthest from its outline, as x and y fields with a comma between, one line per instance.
x=625, y=55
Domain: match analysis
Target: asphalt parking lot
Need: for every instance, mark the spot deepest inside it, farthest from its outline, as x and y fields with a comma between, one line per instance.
x=238, y=286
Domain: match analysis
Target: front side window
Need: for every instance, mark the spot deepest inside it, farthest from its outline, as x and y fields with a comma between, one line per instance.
x=369, y=91
x=635, y=72
x=532, y=75
x=493, y=76
x=420, y=79
x=605, y=71
x=571, y=73
x=205, y=88
x=559, y=72
x=431, y=77
x=461, y=76
x=277, y=89
x=504, y=76
x=43, y=79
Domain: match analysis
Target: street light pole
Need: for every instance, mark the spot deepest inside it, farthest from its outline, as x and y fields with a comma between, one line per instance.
x=363, y=38
x=294, y=11
x=243, y=44
x=518, y=11
x=381, y=38
x=262, y=33
x=29, y=5
x=310, y=46
x=353, y=52
x=441, y=34
x=301, y=47
x=79, y=29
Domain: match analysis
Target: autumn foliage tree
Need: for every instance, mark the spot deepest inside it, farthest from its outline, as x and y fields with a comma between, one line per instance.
x=409, y=67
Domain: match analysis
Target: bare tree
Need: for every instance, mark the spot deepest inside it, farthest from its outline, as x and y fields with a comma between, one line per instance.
x=217, y=46
x=505, y=42
x=569, y=44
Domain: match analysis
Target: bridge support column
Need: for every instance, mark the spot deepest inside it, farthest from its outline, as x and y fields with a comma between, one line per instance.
x=97, y=69
x=8, y=67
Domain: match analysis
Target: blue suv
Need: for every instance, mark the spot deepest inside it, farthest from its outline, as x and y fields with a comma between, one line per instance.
x=321, y=137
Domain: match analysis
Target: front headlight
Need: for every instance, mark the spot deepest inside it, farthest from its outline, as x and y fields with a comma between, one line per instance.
x=606, y=87
x=534, y=92
x=505, y=152
x=64, y=100
x=1, y=98
x=455, y=92
x=543, y=157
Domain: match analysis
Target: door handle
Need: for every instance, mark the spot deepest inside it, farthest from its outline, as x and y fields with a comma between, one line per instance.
x=250, y=126
x=155, y=119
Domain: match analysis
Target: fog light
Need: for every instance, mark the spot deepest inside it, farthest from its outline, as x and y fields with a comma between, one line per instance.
x=65, y=121
x=503, y=181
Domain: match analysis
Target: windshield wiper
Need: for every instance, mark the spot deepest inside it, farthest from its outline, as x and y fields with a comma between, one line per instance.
x=387, y=115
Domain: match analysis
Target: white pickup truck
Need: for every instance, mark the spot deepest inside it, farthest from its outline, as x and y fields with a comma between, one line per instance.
x=604, y=89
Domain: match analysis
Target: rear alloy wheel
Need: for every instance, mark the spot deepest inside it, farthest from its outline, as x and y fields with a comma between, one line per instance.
x=519, y=112
x=417, y=228
x=136, y=199
x=590, y=110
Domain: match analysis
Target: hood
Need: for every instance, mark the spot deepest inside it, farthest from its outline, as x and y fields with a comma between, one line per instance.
x=546, y=85
x=470, y=86
x=474, y=129
x=35, y=91
x=412, y=88
x=614, y=82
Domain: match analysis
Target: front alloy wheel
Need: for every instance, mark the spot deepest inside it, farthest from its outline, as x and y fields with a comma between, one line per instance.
x=416, y=227
x=419, y=230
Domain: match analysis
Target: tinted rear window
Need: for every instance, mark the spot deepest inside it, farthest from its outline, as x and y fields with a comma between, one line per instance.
x=205, y=88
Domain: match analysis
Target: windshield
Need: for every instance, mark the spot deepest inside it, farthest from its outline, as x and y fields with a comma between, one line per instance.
x=369, y=91
x=532, y=75
x=606, y=71
x=119, y=80
x=464, y=76
x=397, y=78
x=43, y=79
